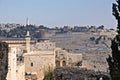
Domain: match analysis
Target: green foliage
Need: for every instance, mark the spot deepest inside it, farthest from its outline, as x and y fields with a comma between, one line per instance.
x=49, y=76
x=114, y=59
x=98, y=40
x=79, y=63
x=20, y=31
x=101, y=27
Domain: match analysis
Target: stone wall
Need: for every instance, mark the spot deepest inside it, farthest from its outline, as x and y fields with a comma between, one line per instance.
x=44, y=46
x=20, y=72
x=12, y=63
x=64, y=58
x=3, y=60
x=39, y=63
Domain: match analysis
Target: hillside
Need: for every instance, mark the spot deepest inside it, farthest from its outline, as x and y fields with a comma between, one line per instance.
x=95, y=47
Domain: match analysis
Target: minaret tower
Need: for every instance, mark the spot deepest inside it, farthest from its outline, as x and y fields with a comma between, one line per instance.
x=28, y=42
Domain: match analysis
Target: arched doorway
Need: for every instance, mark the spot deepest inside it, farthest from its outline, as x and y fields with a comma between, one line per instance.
x=57, y=63
x=64, y=63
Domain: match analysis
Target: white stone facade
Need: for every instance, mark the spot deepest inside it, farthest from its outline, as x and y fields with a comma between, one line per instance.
x=14, y=73
x=12, y=64
x=39, y=63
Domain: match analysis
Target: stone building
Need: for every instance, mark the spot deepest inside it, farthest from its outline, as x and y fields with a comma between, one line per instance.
x=80, y=29
x=40, y=60
x=17, y=47
x=15, y=66
x=40, y=54
x=33, y=59
x=64, y=58
x=3, y=60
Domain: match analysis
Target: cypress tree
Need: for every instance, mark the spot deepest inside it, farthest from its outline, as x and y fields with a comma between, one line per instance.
x=114, y=59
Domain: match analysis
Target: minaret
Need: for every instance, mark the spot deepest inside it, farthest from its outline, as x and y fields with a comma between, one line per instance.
x=28, y=42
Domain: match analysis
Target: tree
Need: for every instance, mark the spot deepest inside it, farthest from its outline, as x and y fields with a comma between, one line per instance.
x=114, y=59
x=101, y=27
x=48, y=74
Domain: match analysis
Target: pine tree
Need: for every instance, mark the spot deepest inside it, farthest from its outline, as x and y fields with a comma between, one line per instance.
x=114, y=59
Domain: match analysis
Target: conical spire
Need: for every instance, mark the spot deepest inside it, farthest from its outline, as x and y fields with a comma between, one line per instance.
x=28, y=34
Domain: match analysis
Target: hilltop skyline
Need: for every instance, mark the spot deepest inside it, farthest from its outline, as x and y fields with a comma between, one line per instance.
x=53, y=13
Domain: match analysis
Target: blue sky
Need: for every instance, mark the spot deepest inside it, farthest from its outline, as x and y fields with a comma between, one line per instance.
x=58, y=12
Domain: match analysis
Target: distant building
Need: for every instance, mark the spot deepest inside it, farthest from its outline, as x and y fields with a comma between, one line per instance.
x=27, y=22
x=92, y=29
x=80, y=29
x=9, y=26
x=66, y=28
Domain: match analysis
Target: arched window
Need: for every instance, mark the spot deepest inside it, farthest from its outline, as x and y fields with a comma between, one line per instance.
x=31, y=64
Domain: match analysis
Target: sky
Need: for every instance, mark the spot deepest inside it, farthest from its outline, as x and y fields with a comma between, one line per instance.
x=58, y=13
